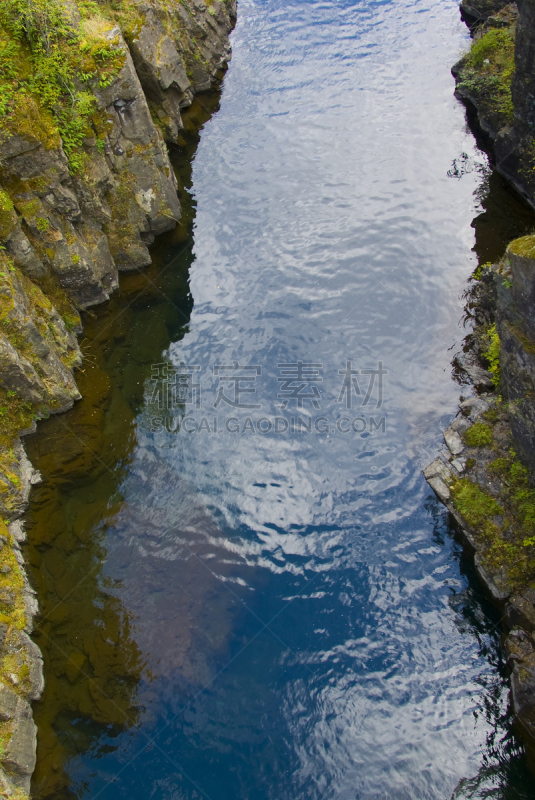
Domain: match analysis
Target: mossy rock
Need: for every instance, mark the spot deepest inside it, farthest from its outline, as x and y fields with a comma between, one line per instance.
x=524, y=246
x=486, y=74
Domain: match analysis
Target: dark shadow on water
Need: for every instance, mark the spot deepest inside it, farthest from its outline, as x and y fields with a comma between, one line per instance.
x=504, y=217
x=97, y=660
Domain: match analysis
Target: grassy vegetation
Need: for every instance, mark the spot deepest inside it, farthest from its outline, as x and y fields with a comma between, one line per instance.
x=488, y=72
x=49, y=68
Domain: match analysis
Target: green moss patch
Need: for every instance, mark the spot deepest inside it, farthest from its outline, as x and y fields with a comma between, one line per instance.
x=12, y=326
x=12, y=607
x=15, y=415
x=518, y=493
x=7, y=215
x=524, y=246
x=488, y=72
x=49, y=293
x=479, y=435
x=476, y=506
x=503, y=546
x=492, y=353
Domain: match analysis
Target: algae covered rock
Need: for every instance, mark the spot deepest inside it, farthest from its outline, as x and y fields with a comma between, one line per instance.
x=20, y=751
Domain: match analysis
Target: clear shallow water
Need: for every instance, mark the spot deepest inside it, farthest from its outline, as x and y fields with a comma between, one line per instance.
x=254, y=612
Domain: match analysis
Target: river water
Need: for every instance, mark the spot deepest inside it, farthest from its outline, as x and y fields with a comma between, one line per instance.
x=247, y=588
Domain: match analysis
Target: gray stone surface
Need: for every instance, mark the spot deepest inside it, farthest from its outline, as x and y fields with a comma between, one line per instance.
x=520, y=650
x=480, y=10
x=438, y=468
x=522, y=289
x=180, y=51
x=520, y=610
x=496, y=584
x=515, y=325
x=442, y=490
x=20, y=752
x=480, y=377
x=453, y=441
x=475, y=406
x=20, y=249
x=34, y=659
x=8, y=702
x=16, y=529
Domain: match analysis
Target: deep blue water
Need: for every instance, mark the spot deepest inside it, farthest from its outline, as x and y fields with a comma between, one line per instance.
x=307, y=625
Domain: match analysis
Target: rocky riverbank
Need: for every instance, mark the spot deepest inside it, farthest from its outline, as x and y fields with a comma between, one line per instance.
x=486, y=472
x=91, y=96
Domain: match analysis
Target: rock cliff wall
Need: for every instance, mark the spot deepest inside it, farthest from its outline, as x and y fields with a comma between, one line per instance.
x=486, y=472
x=496, y=78
x=90, y=95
